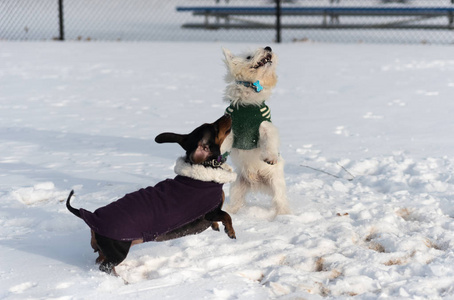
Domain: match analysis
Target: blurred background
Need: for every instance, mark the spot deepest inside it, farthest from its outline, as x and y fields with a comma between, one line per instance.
x=346, y=21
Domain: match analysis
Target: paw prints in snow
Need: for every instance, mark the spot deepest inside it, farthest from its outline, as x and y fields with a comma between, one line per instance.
x=370, y=115
x=397, y=102
x=20, y=288
x=341, y=130
x=428, y=93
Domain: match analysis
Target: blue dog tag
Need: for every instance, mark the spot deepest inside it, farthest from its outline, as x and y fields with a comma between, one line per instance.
x=258, y=87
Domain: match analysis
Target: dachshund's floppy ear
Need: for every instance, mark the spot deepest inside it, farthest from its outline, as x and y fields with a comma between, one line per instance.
x=168, y=137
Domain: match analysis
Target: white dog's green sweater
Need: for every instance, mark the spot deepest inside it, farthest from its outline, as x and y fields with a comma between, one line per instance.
x=246, y=120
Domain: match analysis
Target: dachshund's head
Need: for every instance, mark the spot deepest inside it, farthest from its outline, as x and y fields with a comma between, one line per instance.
x=206, y=143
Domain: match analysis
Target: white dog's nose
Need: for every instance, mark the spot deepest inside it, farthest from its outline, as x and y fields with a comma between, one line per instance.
x=268, y=48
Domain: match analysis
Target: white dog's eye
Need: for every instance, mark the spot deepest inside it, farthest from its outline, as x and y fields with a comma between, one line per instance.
x=249, y=57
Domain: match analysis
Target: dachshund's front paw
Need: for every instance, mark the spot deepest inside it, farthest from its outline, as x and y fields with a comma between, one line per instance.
x=215, y=226
x=230, y=232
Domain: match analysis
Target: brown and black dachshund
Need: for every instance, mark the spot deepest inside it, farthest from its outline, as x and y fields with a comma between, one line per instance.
x=173, y=208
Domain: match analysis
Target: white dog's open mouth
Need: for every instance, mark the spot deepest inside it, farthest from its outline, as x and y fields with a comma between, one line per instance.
x=263, y=61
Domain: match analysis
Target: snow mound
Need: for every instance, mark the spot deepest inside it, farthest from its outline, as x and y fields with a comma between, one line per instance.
x=38, y=194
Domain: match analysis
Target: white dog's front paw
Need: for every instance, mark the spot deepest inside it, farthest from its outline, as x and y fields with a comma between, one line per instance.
x=270, y=161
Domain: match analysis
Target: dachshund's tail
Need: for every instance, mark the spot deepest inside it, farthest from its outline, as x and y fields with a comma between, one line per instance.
x=75, y=211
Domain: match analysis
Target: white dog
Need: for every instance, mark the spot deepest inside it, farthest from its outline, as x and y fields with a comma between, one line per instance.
x=255, y=153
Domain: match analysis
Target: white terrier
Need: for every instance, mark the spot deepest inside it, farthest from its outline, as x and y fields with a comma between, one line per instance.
x=255, y=151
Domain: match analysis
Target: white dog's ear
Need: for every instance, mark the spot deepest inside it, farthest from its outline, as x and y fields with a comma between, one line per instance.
x=228, y=55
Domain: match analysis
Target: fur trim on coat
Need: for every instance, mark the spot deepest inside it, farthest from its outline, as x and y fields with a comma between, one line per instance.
x=223, y=174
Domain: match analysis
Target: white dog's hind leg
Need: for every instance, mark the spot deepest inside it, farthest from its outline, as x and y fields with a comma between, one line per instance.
x=238, y=192
x=278, y=190
x=269, y=142
x=269, y=146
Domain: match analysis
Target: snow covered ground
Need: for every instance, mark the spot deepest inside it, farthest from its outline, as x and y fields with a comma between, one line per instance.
x=84, y=116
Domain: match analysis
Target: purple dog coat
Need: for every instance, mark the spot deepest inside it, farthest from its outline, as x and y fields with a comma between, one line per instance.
x=170, y=204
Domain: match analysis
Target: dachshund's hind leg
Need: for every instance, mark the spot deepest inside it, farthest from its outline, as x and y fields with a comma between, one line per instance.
x=113, y=252
x=94, y=245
